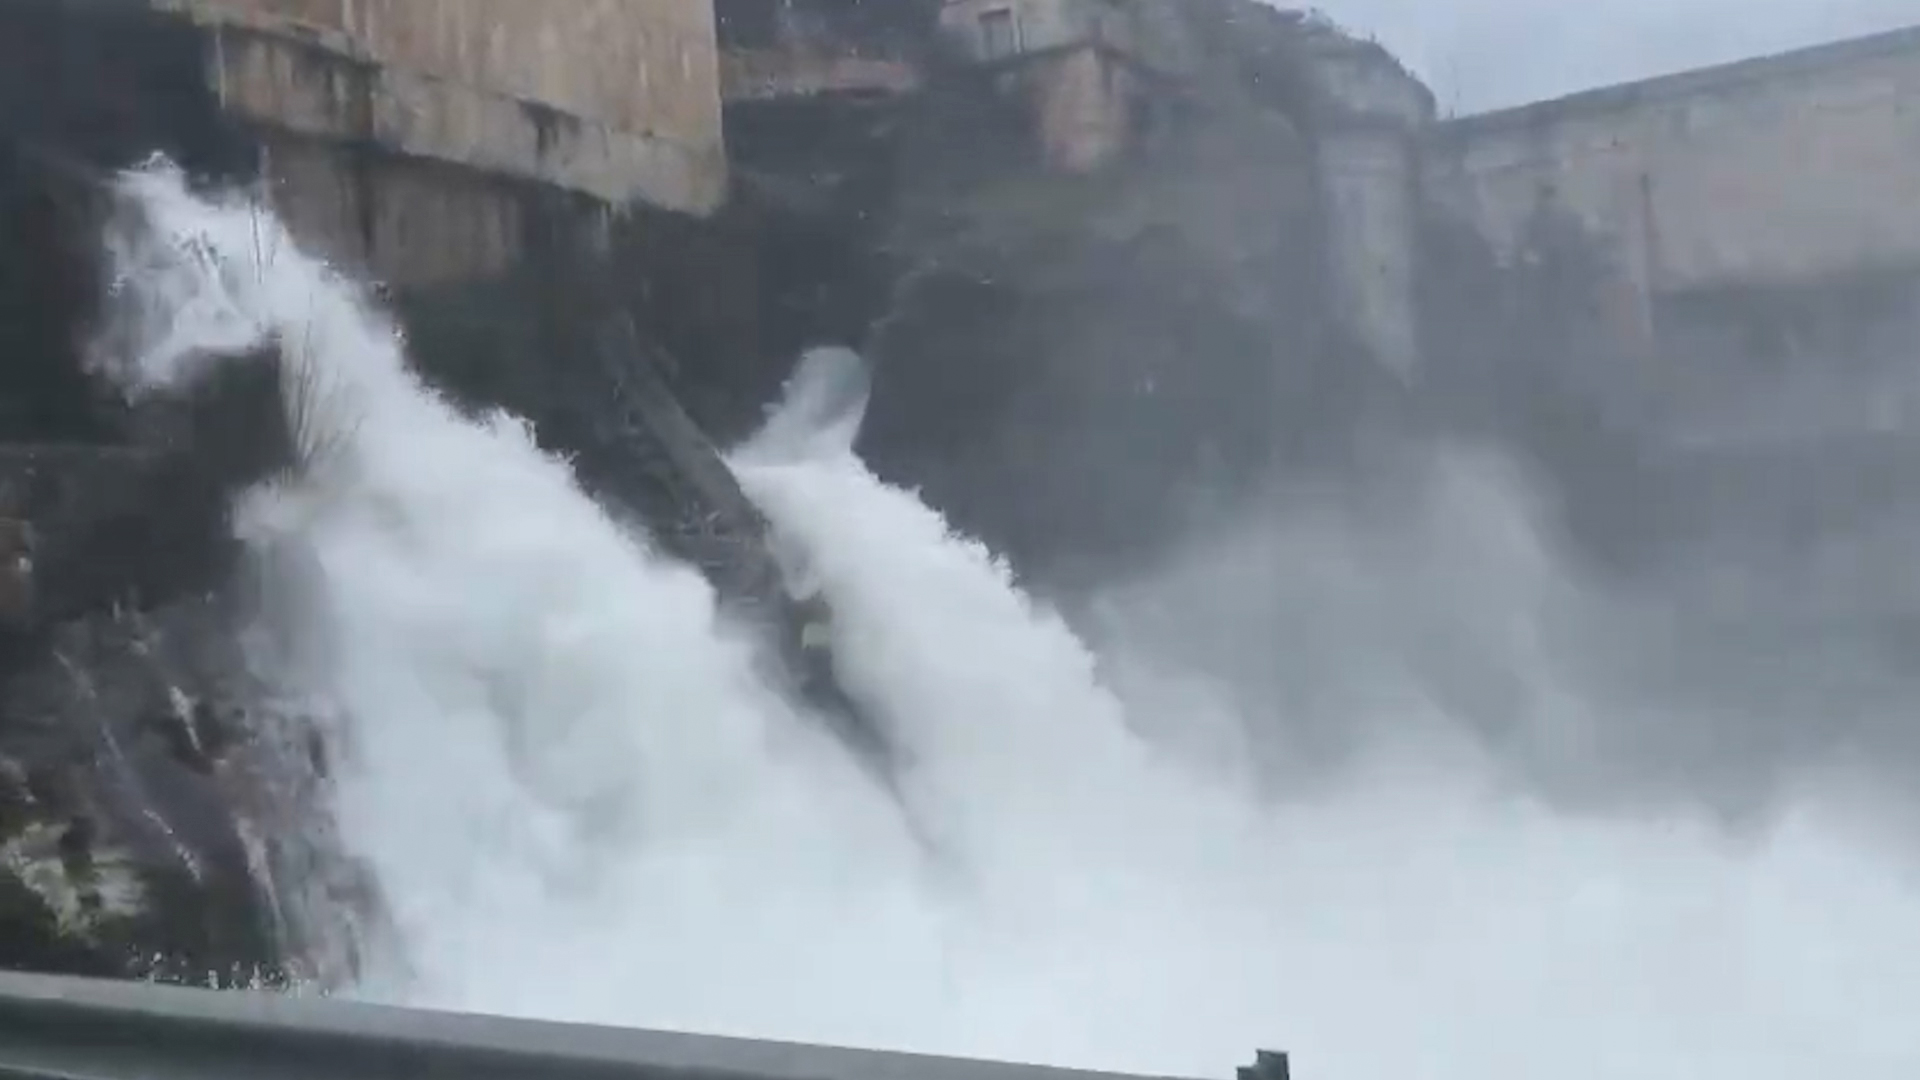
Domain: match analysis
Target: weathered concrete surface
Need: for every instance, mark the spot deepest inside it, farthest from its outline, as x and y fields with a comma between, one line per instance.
x=410, y=139
x=772, y=50
x=1693, y=302
x=997, y=30
x=991, y=30
x=1092, y=72
x=749, y=75
x=1771, y=171
x=618, y=99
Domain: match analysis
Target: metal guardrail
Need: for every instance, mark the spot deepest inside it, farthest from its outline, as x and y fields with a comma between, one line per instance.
x=81, y=1029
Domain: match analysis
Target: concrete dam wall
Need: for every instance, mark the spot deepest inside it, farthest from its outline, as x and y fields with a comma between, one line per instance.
x=1776, y=173
x=391, y=130
x=401, y=136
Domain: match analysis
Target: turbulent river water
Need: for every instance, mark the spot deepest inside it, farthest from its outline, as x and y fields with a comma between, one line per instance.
x=580, y=802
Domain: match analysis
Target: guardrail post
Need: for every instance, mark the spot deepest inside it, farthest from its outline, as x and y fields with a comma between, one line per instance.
x=1267, y=1065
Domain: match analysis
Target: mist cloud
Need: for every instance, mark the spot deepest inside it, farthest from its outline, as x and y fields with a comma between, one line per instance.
x=1482, y=54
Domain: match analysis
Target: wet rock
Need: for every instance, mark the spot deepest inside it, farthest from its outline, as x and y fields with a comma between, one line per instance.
x=150, y=825
x=159, y=812
x=121, y=847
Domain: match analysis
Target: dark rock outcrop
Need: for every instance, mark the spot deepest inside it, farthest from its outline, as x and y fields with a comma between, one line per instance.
x=1076, y=367
x=138, y=838
x=153, y=790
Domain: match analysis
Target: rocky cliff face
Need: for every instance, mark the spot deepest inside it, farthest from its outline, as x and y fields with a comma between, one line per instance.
x=1076, y=363
x=1068, y=359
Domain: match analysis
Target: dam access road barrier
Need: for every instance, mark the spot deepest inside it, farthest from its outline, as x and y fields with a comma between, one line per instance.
x=66, y=1028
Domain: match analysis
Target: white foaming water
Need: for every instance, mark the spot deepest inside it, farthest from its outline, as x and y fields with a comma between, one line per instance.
x=581, y=804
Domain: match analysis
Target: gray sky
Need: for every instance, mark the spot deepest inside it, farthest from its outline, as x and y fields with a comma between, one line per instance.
x=1487, y=53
